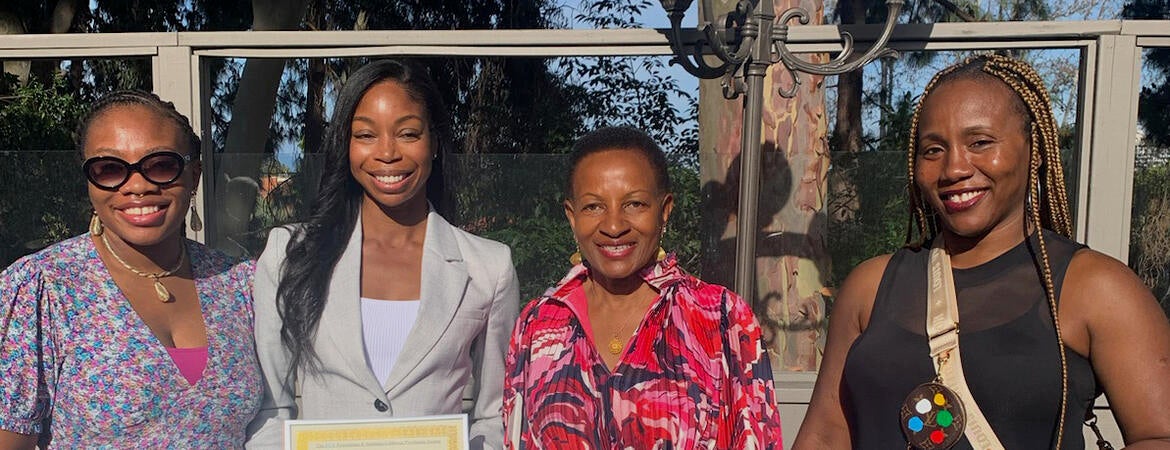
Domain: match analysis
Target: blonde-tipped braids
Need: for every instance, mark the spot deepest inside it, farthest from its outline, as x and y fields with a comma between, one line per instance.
x=1046, y=205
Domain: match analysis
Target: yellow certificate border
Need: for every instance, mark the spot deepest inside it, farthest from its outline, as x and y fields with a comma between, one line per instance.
x=299, y=434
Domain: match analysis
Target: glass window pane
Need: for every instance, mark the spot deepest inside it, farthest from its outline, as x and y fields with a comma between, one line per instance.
x=42, y=190
x=1149, y=242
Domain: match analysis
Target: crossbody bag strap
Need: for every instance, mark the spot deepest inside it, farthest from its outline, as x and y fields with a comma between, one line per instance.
x=942, y=327
x=1091, y=422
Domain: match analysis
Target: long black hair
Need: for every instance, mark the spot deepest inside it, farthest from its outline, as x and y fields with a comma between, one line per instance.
x=317, y=245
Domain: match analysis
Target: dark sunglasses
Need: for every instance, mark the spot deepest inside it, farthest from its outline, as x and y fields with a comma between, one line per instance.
x=110, y=173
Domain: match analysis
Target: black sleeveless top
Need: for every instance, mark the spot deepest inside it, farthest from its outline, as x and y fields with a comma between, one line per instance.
x=1010, y=356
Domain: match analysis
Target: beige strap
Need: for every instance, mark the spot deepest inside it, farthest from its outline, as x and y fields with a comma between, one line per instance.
x=942, y=327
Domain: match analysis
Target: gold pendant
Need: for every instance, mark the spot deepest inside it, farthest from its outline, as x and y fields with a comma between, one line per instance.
x=616, y=345
x=163, y=294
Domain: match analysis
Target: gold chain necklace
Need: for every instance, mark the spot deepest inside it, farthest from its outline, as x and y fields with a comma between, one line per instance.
x=616, y=343
x=163, y=294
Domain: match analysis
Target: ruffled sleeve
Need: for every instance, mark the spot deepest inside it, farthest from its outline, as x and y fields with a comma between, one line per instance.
x=515, y=369
x=757, y=419
x=21, y=293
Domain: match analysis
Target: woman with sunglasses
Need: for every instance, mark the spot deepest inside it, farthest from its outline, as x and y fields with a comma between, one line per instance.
x=129, y=336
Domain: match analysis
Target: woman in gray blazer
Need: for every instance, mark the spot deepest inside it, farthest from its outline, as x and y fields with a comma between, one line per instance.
x=376, y=306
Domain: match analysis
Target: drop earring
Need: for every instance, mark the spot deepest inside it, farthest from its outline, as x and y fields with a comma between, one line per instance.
x=661, y=255
x=196, y=223
x=575, y=258
x=95, y=225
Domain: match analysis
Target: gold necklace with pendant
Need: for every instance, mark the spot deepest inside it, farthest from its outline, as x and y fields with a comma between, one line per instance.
x=163, y=294
x=616, y=343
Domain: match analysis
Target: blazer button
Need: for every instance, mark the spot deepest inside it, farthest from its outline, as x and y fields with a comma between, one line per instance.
x=380, y=405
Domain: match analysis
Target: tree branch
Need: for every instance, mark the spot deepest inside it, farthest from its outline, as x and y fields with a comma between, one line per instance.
x=63, y=14
x=959, y=12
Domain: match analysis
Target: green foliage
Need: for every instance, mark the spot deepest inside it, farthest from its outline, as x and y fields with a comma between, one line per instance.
x=873, y=195
x=45, y=199
x=541, y=243
x=1149, y=251
x=683, y=229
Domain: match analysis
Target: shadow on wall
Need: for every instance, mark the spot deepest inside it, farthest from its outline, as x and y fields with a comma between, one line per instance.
x=791, y=320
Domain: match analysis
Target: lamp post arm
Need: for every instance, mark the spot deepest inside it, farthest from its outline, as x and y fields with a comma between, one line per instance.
x=731, y=38
x=718, y=37
x=693, y=61
x=841, y=63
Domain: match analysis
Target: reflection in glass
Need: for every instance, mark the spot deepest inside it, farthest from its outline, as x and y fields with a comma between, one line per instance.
x=1149, y=242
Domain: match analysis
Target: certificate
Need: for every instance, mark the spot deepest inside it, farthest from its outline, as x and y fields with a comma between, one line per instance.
x=447, y=432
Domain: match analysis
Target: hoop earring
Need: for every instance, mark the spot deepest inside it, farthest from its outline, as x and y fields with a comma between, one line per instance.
x=196, y=223
x=1029, y=202
x=95, y=225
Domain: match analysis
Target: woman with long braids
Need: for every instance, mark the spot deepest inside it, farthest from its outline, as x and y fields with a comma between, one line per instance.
x=376, y=307
x=129, y=336
x=1043, y=323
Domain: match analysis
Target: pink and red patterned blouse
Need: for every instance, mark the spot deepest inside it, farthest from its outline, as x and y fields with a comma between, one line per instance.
x=694, y=376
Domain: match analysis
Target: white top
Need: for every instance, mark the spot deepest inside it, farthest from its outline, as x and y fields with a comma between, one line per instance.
x=385, y=324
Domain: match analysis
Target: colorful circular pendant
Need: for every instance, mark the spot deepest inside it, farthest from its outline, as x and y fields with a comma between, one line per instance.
x=933, y=417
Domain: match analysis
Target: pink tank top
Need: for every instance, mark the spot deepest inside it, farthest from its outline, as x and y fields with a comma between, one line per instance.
x=191, y=362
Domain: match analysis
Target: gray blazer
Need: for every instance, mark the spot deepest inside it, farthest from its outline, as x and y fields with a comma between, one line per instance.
x=455, y=350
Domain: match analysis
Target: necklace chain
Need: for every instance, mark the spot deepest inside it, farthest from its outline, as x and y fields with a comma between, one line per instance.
x=616, y=343
x=163, y=294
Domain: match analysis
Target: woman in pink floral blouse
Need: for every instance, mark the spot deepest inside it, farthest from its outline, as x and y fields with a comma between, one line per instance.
x=628, y=350
x=129, y=336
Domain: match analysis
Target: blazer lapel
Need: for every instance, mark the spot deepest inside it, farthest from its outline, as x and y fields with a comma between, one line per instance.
x=342, y=319
x=444, y=279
